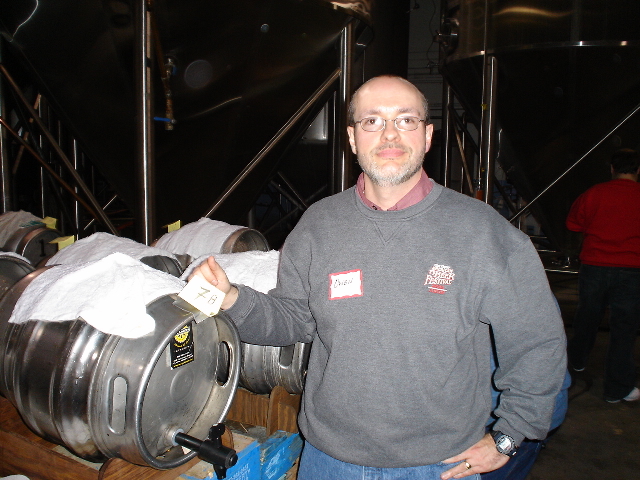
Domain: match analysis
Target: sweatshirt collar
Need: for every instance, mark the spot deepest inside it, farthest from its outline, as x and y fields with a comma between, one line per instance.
x=415, y=195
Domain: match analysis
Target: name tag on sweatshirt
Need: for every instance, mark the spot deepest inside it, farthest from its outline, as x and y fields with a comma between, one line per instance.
x=345, y=284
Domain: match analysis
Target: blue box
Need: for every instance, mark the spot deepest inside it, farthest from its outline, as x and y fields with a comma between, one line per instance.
x=278, y=454
x=269, y=460
x=248, y=466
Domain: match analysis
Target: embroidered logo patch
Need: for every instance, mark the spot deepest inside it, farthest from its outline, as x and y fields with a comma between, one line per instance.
x=438, y=277
x=345, y=284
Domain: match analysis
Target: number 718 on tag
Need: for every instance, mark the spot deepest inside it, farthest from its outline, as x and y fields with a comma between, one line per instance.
x=202, y=295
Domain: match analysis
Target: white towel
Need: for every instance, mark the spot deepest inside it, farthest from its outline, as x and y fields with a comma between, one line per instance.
x=255, y=269
x=101, y=245
x=10, y=222
x=110, y=294
x=197, y=238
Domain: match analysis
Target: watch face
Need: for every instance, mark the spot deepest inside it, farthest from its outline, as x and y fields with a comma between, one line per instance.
x=504, y=444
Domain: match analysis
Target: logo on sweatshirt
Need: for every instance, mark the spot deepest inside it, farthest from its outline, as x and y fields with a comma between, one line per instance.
x=438, y=277
x=345, y=284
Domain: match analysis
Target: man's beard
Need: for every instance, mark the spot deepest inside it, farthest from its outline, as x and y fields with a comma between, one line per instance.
x=381, y=179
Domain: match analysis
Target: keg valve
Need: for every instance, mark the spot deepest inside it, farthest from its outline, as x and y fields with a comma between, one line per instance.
x=211, y=449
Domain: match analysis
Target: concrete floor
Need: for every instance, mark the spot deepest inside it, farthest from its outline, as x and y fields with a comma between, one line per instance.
x=598, y=440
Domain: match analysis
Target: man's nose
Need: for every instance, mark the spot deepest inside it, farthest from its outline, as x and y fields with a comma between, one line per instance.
x=390, y=130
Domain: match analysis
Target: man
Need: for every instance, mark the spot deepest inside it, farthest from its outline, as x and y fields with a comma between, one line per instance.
x=608, y=216
x=396, y=281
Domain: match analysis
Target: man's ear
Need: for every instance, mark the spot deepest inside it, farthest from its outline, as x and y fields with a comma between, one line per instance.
x=428, y=131
x=352, y=140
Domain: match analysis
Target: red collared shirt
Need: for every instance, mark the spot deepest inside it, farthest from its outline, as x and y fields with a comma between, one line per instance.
x=415, y=195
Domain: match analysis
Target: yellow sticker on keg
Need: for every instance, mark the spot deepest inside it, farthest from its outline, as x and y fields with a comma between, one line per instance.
x=202, y=295
x=50, y=222
x=182, y=348
x=64, y=241
x=173, y=226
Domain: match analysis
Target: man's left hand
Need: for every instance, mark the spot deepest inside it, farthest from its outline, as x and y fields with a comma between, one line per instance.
x=481, y=457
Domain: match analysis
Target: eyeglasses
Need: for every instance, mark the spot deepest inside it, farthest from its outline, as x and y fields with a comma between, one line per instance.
x=377, y=124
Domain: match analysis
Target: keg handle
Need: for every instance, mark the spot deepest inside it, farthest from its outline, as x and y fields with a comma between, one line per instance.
x=211, y=449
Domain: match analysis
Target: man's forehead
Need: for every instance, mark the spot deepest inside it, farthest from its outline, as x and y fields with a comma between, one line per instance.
x=385, y=110
x=389, y=96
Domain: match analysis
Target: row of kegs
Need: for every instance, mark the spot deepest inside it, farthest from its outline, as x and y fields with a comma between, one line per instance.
x=100, y=355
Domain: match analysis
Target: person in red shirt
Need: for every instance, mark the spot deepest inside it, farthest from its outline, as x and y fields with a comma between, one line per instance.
x=608, y=216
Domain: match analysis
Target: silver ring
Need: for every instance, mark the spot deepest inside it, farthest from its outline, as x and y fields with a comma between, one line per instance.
x=468, y=465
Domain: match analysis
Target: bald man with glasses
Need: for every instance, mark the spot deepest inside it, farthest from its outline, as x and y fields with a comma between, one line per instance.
x=400, y=284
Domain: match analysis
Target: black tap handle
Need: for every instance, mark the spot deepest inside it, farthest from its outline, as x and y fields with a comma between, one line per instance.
x=211, y=449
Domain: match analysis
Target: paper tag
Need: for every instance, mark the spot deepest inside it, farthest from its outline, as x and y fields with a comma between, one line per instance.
x=202, y=295
x=173, y=226
x=50, y=222
x=64, y=241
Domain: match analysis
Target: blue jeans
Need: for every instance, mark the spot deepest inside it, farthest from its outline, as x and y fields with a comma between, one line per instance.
x=316, y=465
x=619, y=289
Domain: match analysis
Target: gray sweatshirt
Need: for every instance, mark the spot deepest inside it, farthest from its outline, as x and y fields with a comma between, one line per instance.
x=398, y=306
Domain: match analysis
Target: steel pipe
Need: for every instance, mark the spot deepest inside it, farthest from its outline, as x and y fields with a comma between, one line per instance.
x=487, y=134
x=144, y=124
x=341, y=149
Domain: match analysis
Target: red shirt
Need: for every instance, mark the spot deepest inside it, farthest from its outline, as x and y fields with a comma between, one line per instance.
x=416, y=194
x=608, y=215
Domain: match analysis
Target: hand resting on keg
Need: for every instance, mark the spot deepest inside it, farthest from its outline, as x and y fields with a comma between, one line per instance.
x=214, y=274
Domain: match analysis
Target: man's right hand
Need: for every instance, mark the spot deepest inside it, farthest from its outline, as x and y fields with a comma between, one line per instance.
x=214, y=274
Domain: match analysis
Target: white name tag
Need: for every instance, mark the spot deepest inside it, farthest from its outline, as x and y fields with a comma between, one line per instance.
x=202, y=295
x=345, y=284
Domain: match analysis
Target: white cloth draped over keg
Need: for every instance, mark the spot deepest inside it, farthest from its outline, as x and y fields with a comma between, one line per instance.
x=12, y=221
x=110, y=294
x=255, y=269
x=100, y=245
x=197, y=238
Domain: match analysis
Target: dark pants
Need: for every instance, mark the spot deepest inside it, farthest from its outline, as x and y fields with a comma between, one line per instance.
x=518, y=466
x=619, y=289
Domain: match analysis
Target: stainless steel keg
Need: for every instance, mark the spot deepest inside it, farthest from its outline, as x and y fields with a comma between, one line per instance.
x=32, y=242
x=265, y=367
x=102, y=395
x=245, y=239
x=12, y=269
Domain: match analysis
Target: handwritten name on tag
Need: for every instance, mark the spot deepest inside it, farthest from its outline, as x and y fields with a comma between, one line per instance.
x=345, y=284
x=202, y=295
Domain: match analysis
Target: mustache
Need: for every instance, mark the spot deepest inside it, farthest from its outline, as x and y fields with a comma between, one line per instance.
x=390, y=145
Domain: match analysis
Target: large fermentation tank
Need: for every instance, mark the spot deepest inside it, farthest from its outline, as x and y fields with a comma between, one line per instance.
x=238, y=71
x=568, y=73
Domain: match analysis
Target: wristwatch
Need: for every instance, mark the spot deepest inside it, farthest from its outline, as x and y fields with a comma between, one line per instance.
x=504, y=443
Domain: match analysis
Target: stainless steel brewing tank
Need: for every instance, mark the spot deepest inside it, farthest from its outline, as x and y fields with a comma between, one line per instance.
x=104, y=396
x=567, y=75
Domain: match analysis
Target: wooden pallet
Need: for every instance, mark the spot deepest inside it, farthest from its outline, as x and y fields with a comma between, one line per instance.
x=277, y=411
x=24, y=452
